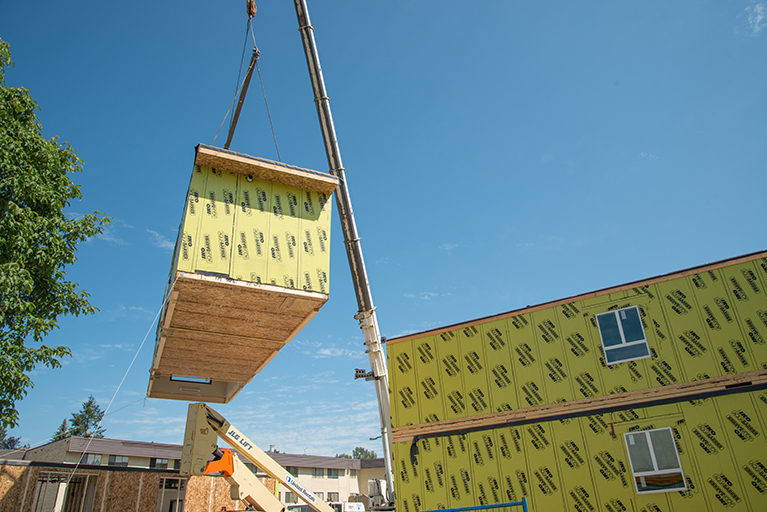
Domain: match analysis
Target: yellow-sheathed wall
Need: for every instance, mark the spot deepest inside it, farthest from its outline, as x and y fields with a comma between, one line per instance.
x=702, y=323
x=256, y=231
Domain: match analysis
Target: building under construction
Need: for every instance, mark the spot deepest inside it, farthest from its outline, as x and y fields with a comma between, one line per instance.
x=648, y=396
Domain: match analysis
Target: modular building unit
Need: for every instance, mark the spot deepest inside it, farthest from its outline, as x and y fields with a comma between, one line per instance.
x=250, y=269
x=536, y=402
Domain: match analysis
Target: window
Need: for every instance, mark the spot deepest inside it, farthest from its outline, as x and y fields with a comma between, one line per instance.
x=353, y=473
x=622, y=335
x=655, y=461
x=332, y=496
x=318, y=472
x=158, y=463
x=332, y=473
x=292, y=470
x=290, y=497
x=118, y=460
x=320, y=495
x=93, y=459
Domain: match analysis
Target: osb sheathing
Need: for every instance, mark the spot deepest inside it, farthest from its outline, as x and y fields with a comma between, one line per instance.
x=210, y=494
x=120, y=490
x=12, y=482
x=150, y=490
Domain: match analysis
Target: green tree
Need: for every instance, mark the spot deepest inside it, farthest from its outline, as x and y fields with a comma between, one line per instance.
x=358, y=453
x=9, y=442
x=62, y=432
x=361, y=453
x=37, y=241
x=84, y=423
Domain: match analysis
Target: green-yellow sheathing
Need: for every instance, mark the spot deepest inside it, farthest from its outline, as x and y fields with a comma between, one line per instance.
x=709, y=324
x=577, y=464
x=314, y=254
x=256, y=230
x=217, y=223
x=250, y=255
x=698, y=324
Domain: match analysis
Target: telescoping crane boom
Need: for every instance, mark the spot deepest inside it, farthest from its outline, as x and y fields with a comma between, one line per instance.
x=366, y=314
x=203, y=428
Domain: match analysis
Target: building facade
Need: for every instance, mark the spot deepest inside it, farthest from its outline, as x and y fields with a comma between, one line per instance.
x=90, y=474
x=648, y=396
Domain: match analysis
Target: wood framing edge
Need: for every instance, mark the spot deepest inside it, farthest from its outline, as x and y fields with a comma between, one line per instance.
x=193, y=277
x=639, y=398
x=588, y=295
x=262, y=169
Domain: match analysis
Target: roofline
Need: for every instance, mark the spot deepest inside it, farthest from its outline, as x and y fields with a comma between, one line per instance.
x=71, y=466
x=603, y=291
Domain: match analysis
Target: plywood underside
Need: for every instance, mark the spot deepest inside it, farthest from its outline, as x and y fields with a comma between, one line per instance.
x=224, y=330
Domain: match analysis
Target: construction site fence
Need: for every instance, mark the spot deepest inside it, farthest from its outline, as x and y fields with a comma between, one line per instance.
x=512, y=506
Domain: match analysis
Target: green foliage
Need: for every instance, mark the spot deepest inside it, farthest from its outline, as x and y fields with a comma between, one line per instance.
x=361, y=453
x=37, y=241
x=358, y=453
x=62, y=432
x=10, y=442
x=85, y=423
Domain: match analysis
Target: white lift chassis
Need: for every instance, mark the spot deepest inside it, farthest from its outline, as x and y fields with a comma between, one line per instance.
x=203, y=428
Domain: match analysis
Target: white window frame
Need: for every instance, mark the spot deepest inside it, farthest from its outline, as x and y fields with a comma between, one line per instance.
x=641, y=476
x=91, y=459
x=119, y=461
x=619, y=320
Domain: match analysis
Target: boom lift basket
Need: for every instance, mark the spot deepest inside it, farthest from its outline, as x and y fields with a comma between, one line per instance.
x=250, y=269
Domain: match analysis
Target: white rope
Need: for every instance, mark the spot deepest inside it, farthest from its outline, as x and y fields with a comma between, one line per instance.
x=106, y=411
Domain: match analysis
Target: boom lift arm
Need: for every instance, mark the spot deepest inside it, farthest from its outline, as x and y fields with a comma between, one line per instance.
x=203, y=428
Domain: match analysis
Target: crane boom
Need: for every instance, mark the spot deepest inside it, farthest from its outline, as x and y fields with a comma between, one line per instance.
x=366, y=314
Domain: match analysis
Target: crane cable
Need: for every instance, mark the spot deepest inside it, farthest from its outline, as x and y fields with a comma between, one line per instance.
x=251, y=9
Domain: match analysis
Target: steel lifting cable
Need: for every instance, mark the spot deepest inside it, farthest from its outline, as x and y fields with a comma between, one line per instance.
x=263, y=91
x=240, y=86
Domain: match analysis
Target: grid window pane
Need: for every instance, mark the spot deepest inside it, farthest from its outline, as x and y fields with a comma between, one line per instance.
x=639, y=453
x=617, y=355
x=655, y=461
x=665, y=449
x=632, y=325
x=608, y=328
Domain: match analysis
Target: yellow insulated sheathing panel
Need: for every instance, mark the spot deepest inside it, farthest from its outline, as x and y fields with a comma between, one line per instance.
x=250, y=270
x=703, y=323
x=216, y=224
x=251, y=233
x=192, y=219
x=583, y=463
x=282, y=269
x=314, y=243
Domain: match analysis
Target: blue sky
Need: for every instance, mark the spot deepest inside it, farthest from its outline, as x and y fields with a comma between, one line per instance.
x=499, y=154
